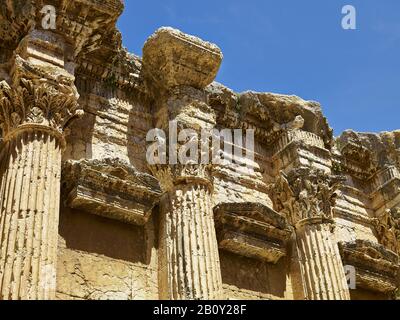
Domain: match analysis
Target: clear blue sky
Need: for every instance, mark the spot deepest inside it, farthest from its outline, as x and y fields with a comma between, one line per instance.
x=294, y=47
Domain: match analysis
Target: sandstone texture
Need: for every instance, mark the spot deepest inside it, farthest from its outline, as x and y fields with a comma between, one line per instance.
x=84, y=215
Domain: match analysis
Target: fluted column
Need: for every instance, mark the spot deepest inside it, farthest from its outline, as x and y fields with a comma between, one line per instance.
x=189, y=259
x=180, y=67
x=34, y=112
x=29, y=210
x=320, y=261
x=306, y=196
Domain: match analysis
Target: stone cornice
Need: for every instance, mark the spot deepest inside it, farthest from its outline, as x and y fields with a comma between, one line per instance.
x=124, y=73
x=383, y=178
x=84, y=23
x=377, y=268
x=307, y=139
x=252, y=230
x=110, y=188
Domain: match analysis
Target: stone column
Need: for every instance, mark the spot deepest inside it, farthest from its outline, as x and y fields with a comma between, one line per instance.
x=320, y=261
x=189, y=259
x=307, y=196
x=35, y=107
x=29, y=194
x=178, y=67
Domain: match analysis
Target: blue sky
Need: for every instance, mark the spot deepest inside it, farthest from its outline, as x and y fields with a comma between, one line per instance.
x=294, y=47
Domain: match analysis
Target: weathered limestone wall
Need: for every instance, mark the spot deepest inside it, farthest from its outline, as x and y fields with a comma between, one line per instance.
x=115, y=125
x=84, y=215
x=104, y=259
x=249, y=279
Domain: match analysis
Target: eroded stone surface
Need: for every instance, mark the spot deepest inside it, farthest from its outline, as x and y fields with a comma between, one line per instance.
x=109, y=226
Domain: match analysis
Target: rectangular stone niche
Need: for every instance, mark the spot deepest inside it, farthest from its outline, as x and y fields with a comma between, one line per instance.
x=252, y=230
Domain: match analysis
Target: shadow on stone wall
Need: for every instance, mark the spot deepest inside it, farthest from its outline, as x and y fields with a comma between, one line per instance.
x=97, y=235
x=253, y=275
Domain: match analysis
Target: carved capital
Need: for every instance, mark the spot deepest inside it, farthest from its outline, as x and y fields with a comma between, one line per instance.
x=387, y=226
x=37, y=96
x=306, y=194
x=37, y=102
x=170, y=176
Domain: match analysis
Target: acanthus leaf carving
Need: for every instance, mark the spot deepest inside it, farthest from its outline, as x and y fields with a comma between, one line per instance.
x=387, y=225
x=170, y=175
x=305, y=193
x=37, y=102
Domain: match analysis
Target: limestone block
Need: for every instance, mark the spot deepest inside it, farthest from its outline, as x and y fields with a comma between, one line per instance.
x=91, y=277
x=173, y=58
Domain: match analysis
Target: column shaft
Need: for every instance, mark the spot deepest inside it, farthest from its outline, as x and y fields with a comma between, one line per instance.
x=189, y=259
x=29, y=215
x=321, y=264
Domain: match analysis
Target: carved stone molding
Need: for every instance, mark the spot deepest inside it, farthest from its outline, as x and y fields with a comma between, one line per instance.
x=110, y=188
x=90, y=24
x=387, y=226
x=170, y=176
x=252, y=230
x=377, y=269
x=305, y=194
x=293, y=136
x=33, y=102
x=86, y=23
x=173, y=58
x=356, y=160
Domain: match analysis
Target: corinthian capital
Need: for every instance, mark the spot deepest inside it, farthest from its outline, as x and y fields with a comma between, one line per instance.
x=173, y=175
x=37, y=102
x=306, y=193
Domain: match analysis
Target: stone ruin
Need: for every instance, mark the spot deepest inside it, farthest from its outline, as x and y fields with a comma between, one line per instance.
x=84, y=216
